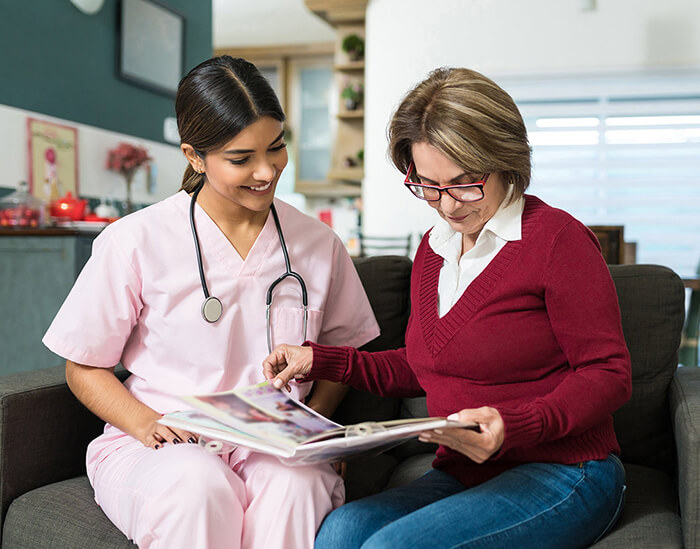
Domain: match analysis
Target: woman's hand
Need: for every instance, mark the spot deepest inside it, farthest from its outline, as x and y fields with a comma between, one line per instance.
x=340, y=468
x=478, y=445
x=106, y=397
x=153, y=434
x=287, y=362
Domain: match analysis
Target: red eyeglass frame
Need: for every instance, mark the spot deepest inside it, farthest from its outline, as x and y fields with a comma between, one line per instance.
x=479, y=184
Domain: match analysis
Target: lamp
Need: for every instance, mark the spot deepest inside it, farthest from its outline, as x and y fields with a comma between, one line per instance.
x=90, y=7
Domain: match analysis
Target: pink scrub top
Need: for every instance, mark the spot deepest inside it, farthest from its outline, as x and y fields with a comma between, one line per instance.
x=139, y=297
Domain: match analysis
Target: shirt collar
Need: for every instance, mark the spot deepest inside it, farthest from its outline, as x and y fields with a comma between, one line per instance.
x=505, y=224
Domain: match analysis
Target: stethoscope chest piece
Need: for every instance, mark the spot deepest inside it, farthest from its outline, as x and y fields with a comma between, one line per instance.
x=212, y=309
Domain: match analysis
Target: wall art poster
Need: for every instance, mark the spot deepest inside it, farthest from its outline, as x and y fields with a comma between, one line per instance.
x=53, y=159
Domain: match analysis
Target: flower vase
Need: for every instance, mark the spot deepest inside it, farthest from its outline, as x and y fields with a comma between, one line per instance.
x=351, y=104
x=128, y=207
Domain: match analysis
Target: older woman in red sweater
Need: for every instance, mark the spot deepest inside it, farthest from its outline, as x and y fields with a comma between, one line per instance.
x=514, y=326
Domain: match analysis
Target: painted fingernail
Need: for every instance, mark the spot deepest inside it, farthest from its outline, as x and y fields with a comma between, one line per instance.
x=192, y=440
x=453, y=417
x=176, y=440
x=424, y=438
x=277, y=384
x=438, y=431
x=156, y=446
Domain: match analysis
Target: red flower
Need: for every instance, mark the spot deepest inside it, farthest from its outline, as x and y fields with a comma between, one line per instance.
x=127, y=158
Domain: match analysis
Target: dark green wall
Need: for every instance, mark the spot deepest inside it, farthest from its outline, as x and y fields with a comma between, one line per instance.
x=58, y=61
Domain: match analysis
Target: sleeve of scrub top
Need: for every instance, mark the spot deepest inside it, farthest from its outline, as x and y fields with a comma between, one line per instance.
x=347, y=318
x=96, y=319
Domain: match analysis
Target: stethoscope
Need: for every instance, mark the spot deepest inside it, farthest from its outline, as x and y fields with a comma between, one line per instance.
x=212, y=307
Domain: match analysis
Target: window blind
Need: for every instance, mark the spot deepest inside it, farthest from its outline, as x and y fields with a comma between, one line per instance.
x=621, y=151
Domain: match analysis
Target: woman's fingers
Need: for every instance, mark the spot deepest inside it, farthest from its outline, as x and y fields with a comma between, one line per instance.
x=275, y=362
x=165, y=435
x=287, y=362
x=477, y=444
x=341, y=468
x=185, y=436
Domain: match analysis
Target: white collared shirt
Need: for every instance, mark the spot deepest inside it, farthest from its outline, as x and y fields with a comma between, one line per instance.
x=458, y=272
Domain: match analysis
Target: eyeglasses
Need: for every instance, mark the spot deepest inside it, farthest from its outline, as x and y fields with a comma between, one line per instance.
x=468, y=192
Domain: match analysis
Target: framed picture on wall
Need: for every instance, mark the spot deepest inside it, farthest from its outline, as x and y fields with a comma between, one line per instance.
x=53, y=159
x=151, y=46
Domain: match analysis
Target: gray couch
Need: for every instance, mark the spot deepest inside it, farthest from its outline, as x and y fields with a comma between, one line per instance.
x=46, y=501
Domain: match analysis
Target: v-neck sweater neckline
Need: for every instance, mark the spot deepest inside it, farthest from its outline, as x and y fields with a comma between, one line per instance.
x=437, y=330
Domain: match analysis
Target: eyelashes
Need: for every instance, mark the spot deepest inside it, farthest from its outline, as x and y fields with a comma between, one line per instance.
x=242, y=161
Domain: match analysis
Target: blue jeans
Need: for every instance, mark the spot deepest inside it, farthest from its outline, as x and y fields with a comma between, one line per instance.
x=536, y=505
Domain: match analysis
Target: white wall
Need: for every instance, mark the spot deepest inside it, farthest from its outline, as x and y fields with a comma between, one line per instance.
x=501, y=38
x=94, y=180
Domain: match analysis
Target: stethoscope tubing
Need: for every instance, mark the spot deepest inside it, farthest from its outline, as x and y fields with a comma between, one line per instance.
x=212, y=307
x=288, y=272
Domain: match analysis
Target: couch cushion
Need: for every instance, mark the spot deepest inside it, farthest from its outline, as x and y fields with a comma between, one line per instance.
x=386, y=280
x=650, y=515
x=63, y=514
x=411, y=468
x=652, y=304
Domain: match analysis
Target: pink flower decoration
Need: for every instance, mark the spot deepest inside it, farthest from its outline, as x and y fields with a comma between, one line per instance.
x=126, y=159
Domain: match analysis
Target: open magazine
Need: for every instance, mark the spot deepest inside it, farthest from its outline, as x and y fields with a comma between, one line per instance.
x=267, y=420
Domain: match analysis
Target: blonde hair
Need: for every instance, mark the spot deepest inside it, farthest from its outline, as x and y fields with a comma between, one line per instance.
x=470, y=119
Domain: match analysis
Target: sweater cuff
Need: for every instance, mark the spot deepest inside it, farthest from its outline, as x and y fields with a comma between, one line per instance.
x=522, y=427
x=329, y=363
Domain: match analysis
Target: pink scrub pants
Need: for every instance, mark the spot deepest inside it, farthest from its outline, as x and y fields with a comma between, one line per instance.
x=183, y=496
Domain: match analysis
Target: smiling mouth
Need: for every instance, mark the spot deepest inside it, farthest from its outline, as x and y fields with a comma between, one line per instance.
x=260, y=188
x=461, y=218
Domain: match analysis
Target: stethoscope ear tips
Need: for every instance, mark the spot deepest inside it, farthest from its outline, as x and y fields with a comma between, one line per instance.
x=212, y=309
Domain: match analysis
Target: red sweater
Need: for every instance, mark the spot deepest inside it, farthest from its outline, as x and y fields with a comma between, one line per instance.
x=537, y=336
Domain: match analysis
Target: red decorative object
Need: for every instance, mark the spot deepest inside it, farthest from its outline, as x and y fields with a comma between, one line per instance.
x=126, y=159
x=327, y=217
x=68, y=207
x=21, y=209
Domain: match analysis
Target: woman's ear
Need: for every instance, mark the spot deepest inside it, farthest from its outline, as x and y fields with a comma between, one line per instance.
x=196, y=161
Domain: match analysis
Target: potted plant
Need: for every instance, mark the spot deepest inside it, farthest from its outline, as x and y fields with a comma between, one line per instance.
x=353, y=95
x=354, y=46
x=126, y=159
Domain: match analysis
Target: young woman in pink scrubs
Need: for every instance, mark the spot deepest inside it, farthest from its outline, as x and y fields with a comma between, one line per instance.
x=139, y=301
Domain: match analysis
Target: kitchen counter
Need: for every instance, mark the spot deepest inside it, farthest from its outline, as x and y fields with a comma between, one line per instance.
x=85, y=228
x=48, y=231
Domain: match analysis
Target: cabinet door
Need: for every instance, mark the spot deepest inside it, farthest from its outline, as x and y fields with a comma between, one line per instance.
x=36, y=274
x=310, y=117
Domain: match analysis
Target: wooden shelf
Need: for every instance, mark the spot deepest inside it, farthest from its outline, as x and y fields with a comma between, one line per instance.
x=357, y=113
x=331, y=189
x=350, y=66
x=348, y=17
x=339, y=11
x=355, y=173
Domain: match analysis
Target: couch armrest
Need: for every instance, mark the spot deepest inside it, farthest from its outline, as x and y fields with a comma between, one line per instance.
x=685, y=412
x=44, y=431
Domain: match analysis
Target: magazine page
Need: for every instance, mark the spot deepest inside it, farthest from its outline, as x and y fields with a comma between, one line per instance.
x=212, y=430
x=266, y=419
x=362, y=439
x=265, y=413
